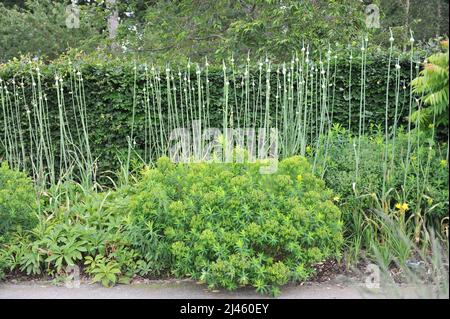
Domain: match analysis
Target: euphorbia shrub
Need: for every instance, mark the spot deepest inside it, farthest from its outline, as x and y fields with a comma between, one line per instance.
x=229, y=226
x=18, y=204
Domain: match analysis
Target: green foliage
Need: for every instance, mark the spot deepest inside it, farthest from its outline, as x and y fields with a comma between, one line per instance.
x=426, y=19
x=194, y=29
x=432, y=85
x=104, y=270
x=3, y=264
x=418, y=179
x=187, y=29
x=60, y=239
x=18, y=203
x=178, y=30
x=64, y=245
x=39, y=29
x=223, y=224
x=229, y=226
x=76, y=227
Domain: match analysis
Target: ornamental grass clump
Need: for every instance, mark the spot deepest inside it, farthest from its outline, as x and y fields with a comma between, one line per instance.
x=229, y=226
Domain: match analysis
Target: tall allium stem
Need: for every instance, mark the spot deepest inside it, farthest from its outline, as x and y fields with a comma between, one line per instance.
x=386, y=118
x=225, y=110
x=411, y=76
x=396, y=103
x=350, y=92
x=131, y=137
x=362, y=103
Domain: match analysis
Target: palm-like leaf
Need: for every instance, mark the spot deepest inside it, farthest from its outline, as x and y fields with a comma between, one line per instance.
x=432, y=83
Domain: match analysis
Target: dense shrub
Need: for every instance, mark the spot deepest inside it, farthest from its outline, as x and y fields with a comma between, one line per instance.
x=228, y=225
x=18, y=205
x=224, y=224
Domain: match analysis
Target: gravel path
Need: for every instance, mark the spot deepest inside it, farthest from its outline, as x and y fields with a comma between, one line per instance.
x=186, y=289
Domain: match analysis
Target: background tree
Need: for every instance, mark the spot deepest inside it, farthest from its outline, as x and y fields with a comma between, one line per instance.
x=427, y=19
x=196, y=28
x=161, y=30
x=38, y=28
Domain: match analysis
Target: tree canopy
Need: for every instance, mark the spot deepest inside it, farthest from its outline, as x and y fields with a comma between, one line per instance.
x=161, y=30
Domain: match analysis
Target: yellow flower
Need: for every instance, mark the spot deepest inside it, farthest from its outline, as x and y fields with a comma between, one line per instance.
x=336, y=198
x=402, y=207
x=443, y=163
x=299, y=178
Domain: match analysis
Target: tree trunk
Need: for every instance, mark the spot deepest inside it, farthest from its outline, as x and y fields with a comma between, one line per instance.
x=113, y=23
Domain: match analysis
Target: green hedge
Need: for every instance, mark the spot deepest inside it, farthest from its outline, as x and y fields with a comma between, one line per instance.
x=109, y=85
